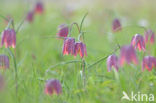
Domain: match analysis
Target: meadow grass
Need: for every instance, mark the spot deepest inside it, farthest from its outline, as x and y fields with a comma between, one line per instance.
x=37, y=51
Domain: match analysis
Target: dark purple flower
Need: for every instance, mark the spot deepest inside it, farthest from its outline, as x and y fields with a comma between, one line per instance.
x=63, y=30
x=112, y=61
x=30, y=16
x=127, y=54
x=39, y=8
x=4, y=62
x=53, y=86
x=138, y=42
x=149, y=36
x=68, y=46
x=116, y=25
x=8, y=38
x=148, y=62
x=80, y=49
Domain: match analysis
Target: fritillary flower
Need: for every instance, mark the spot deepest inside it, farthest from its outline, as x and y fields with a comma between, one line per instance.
x=149, y=62
x=68, y=46
x=30, y=16
x=80, y=48
x=116, y=25
x=138, y=42
x=53, y=86
x=4, y=62
x=63, y=30
x=112, y=61
x=128, y=54
x=8, y=38
x=149, y=36
x=39, y=8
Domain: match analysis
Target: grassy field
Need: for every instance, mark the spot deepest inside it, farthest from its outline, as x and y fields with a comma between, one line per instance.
x=37, y=51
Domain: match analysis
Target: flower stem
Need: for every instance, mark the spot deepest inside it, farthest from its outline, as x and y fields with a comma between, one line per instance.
x=15, y=67
x=84, y=74
x=76, y=24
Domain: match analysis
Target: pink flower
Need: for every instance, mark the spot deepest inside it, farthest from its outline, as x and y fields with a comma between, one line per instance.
x=116, y=25
x=30, y=16
x=80, y=49
x=68, y=46
x=148, y=62
x=63, y=30
x=4, y=62
x=138, y=42
x=112, y=61
x=53, y=86
x=149, y=36
x=127, y=54
x=8, y=38
x=39, y=8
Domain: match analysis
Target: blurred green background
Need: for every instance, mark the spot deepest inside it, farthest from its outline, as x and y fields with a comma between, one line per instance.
x=37, y=50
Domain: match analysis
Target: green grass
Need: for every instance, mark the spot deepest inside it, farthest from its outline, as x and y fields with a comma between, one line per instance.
x=35, y=54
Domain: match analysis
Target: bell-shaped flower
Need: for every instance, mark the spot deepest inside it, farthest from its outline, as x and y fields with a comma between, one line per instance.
x=116, y=25
x=63, y=30
x=39, y=8
x=149, y=36
x=4, y=62
x=148, y=62
x=112, y=61
x=30, y=16
x=68, y=46
x=80, y=48
x=53, y=86
x=127, y=54
x=138, y=42
x=8, y=38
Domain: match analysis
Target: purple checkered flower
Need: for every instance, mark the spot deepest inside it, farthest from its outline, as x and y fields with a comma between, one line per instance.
x=53, y=86
x=148, y=62
x=128, y=54
x=63, y=30
x=80, y=48
x=116, y=25
x=8, y=38
x=138, y=42
x=112, y=61
x=4, y=62
x=68, y=46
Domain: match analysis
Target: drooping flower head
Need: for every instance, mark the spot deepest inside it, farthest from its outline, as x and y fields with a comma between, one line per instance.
x=127, y=54
x=30, y=16
x=8, y=38
x=112, y=61
x=116, y=25
x=63, y=30
x=68, y=46
x=80, y=48
x=148, y=62
x=138, y=42
x=4, y=62
x=149, y=36
x=39, y=8
x=53, y=86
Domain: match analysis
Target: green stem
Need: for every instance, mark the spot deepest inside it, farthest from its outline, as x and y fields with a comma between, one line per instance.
x=3, y=17
x=83, y=21
x=15, y=67
x=84, y=74
x=103, y=58
x=74, y=23
x=62, y=63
